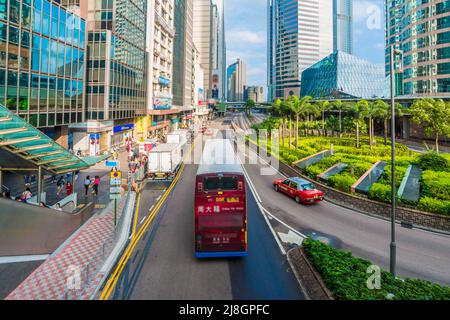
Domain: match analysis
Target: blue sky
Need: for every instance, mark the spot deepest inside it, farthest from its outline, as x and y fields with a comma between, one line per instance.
x=246, y=34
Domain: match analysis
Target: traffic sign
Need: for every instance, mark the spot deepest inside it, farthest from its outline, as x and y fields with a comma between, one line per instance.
x=112, y=163
x=114, y=185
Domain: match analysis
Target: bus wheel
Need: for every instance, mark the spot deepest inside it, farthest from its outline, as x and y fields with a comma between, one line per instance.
x=297, y=199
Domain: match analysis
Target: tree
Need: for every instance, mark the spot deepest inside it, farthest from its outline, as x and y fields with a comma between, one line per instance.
x=298, y=106
x=434, y=116
x=333, y=124
x=382, y=111
x=249, y=105
x=323, y=106
x=359, y=112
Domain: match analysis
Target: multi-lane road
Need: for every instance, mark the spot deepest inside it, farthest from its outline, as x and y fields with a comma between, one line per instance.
x=421, y=254
x=163, y=265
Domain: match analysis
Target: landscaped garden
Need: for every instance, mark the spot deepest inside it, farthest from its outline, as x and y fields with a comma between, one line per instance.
x=346, y=277
x=353, y=142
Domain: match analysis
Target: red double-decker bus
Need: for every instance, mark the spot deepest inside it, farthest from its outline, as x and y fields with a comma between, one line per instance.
x=220, y=203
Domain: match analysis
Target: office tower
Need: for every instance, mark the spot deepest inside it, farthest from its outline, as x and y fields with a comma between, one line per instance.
x=219, y=60
x=255, y=93
x=421, y=30
x=42, y=57
x=203, y=13
x=183, y=53
x=300, y=34
x=343, y=26
x=237, y=80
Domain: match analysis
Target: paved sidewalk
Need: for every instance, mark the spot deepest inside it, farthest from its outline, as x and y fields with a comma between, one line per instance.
x=49, y=281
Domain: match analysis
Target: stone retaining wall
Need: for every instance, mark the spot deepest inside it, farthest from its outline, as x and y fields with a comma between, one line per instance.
x=309, y=279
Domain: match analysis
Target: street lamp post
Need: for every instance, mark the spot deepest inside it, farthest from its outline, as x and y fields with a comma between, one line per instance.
x=393, y=257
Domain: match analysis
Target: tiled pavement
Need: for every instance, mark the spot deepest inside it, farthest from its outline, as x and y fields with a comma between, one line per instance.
x=49, y=281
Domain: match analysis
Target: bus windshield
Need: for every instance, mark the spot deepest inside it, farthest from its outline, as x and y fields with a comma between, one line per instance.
x=220, y=183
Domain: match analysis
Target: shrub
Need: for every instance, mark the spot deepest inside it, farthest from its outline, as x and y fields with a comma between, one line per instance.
x=346, y=277
x=381, y=192
x=433, y=161
x=436, y=184
x=434, y=205
x=342, y=182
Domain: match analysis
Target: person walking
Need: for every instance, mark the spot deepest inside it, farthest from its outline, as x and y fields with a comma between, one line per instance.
x=69, y=188
x=87, y=184
x=26, y=195
x=96, y=184
x=60, y=184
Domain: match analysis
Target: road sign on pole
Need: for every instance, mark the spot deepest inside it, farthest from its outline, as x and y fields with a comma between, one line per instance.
x=112, y=163
x=115, y=190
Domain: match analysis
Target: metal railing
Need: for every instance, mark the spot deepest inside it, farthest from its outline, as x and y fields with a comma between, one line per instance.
x=81, y=284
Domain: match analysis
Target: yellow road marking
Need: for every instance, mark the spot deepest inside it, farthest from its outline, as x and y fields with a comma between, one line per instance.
x=136, y=214
x=110, y=285
x=112, y=282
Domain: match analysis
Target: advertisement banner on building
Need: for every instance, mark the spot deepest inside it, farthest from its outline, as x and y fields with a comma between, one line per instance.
x=94, y=144
x=215, y=92
x=162, y=104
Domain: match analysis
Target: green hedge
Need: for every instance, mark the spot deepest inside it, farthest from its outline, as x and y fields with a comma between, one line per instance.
x=433, y=161
x=436, y=184
x=381, y=192
x=342, y=182
x=434, y=205
x=346, y=277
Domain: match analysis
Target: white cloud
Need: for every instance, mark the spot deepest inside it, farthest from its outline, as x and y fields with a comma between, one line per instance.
x=235, y=37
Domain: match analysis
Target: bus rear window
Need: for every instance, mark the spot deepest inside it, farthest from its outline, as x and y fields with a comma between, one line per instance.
x=221, y=221
x=220, y=183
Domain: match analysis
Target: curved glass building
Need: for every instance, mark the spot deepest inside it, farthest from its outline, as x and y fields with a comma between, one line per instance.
x=341, y=75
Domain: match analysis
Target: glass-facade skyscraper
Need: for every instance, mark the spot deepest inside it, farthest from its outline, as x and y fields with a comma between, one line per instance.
x=341, y=75
x=343, y=26
x=421, y=29
x=300, y=34
x=42, y=58
x=116, y=59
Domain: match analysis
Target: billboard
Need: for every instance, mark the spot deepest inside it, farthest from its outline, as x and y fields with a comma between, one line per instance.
x=215, y=91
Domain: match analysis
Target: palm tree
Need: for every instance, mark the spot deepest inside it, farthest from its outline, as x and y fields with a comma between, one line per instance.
x=298, y=107
x=382, y=112
x=359, y=114
x=323, y=106
x=249, y=105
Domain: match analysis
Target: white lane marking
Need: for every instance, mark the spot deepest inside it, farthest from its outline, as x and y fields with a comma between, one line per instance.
x=17, y=259
x=143, y=219
x=157, y=199
x=151, y=208
x=266, y=212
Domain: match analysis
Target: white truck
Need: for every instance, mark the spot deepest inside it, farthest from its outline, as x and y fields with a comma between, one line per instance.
x=164, y=161
x=180, y=137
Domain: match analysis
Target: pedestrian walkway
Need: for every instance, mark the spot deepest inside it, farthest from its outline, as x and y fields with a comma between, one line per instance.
x=49, y=281
x=16, y=184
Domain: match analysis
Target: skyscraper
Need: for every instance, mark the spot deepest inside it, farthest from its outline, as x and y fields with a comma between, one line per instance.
x=421, y=30
x=183, y=51
x=203, y=10
x=300, y=34
x=343, y=26
x=237, y=81
x=219, y=59
x=115, y=82
x=42, y=60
